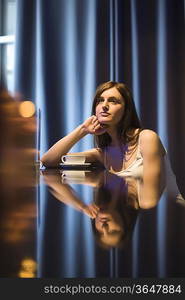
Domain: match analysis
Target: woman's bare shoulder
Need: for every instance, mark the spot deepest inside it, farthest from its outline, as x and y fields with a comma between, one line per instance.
x=148, y=134
x=150, y=140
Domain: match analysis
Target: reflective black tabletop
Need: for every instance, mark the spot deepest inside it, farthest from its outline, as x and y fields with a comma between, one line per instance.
x=89, y=223
x=96, y=224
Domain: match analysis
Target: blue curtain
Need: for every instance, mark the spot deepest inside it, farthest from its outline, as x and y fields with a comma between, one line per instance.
x=64, y=49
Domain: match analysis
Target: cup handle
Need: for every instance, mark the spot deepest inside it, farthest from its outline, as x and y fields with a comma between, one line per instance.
x=63, y=158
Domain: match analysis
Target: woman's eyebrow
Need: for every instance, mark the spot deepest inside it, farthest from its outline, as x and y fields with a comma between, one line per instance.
x=113, y=232
x=111, y=97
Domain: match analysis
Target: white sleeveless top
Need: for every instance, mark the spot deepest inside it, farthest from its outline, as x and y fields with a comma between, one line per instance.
x=135, y=169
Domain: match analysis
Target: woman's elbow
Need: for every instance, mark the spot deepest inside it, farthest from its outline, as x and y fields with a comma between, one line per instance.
x=44, y=162
x=47, y=162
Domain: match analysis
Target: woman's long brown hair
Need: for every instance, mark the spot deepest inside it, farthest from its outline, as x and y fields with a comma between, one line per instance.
x=129, y=121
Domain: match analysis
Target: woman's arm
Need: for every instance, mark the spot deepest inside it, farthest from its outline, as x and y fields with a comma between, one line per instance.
x=153, y=153
x=67, y=195
x=91, y=126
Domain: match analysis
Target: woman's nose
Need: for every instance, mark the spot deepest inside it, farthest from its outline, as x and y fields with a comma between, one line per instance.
x=105, y=228
x=105, y=105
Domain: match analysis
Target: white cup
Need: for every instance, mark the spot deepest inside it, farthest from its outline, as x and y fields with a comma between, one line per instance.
x=73, y=159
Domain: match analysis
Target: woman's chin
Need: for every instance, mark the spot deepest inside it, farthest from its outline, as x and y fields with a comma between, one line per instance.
x=104, y=120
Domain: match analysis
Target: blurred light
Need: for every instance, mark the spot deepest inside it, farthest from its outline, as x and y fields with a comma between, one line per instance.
x=28, y=268
x=27, y=109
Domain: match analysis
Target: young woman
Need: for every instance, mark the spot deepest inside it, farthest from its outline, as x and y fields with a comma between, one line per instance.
x=122, y=145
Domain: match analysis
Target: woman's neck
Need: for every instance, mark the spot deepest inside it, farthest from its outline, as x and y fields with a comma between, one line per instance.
x=115, y=140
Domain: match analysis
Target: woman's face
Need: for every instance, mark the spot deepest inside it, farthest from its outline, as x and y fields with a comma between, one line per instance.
x=110, y=107
x=110, y=227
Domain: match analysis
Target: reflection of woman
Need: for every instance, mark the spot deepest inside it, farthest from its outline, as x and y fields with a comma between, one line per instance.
x=123, y=147
x=115, y=206
x=67, y=195
x=113, y=210
x=118, y=210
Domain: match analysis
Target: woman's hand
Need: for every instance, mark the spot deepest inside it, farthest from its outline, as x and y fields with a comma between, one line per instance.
x=93, y=126
x=90, y=210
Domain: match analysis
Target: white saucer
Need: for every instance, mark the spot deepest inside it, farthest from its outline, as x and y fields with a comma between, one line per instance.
x=77, y=164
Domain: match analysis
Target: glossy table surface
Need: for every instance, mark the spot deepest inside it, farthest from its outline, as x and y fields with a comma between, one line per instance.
x=88, y=223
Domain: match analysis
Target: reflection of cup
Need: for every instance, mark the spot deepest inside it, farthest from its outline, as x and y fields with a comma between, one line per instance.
x=72, y=176
x=73, y=159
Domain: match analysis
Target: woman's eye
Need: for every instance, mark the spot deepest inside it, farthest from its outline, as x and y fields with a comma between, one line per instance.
x=99, y=100
x=112, y=99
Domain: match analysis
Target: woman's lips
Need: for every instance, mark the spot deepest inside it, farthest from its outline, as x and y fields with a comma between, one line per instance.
x=104, y=114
